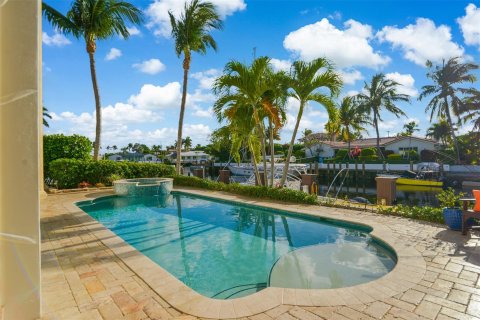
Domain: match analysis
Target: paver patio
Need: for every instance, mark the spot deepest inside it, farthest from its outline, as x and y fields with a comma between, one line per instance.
x=82, y=278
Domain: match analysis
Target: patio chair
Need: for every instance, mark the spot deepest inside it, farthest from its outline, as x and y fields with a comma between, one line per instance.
x=469, y=214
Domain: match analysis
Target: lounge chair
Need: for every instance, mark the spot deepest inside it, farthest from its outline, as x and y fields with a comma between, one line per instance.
x=468, y=214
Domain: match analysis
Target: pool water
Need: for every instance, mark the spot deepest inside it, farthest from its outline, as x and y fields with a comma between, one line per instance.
x=227, y=250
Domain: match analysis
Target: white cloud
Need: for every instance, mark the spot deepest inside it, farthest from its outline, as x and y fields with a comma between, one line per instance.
x=203, y=113
x=351, y=76
x=56, y=40
x=206, y=78
x=470, y=25
x=346, y=48
x=406, y=81
x=134, y=31
x=152, y=66
x=352, y=93
x=280, y=65
x=422, y=41
x=113, y=54
x=157, y=97
x=159, y=21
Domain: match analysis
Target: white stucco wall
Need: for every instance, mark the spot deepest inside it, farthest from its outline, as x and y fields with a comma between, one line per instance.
x=326, y=151
x=406, y=143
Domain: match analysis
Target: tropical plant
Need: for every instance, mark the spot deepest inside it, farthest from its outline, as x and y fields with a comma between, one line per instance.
x=351, y=120
x=95, y=20
x=447, y=100
x=308, y=82
x=409, y=129
x=440, y=131
x=46, y=114
x=246, y=97
x=59, y=146
x=449, y=198
x=191, y=32
x=470, y=109
x=187, y=143
x=332, y=127
x=381, y=93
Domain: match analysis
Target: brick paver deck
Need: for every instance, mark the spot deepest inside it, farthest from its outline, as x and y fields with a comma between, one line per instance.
x=83, y=279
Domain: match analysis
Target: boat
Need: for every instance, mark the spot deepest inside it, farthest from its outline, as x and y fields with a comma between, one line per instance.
x=419, y=182
x=246, y=169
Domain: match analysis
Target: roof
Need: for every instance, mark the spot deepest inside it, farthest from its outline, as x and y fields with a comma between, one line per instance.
x=190, y=153
x=372, y=142
x=319, y=136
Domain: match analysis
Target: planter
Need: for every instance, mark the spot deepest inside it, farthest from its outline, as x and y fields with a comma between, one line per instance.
x=453, y=218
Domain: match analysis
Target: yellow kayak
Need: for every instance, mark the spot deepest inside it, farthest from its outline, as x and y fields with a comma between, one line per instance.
x=419, y=182
x=412, y=188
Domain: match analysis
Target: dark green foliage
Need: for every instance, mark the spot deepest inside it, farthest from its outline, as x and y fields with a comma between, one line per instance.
x=59, y=146
x=449, y=199
x=341, y=154
x=413, y=155
x=283, y=194
x=372, y=157
x=368, y=152
x=420, y=213
x=68, y=173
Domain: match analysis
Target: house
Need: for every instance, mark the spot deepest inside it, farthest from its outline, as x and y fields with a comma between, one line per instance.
x=399, y=145
x=193, y=157
x=137, y=157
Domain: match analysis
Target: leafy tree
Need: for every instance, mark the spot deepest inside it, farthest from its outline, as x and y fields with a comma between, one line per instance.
x=191, y=32
x=409, y=129
x=351, y=120
x=440, y=131
x=59, y=146
x=447, y=92
x=46, y=114
x=308, y=82
x=381, y=94
x=470, y=109
x=95, y=20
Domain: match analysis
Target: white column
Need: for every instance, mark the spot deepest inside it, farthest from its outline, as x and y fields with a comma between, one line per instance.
x=20, y=158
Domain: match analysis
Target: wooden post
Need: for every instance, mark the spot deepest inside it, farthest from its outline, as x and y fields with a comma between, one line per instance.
x=316, y=168
x=347, y=179
x=384, y=166
x=328, y=174
x=411, y=165
x=310, y=166
x=334, y=174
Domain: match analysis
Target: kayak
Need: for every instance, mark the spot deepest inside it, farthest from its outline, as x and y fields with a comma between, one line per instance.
x=419, y=182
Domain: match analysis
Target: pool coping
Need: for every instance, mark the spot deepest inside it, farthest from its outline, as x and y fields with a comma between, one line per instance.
x=408, y=271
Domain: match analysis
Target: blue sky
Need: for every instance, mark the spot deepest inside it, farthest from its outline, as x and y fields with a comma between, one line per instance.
x=140, y=78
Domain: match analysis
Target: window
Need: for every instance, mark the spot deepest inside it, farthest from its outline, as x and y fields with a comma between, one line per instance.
x=404, y=151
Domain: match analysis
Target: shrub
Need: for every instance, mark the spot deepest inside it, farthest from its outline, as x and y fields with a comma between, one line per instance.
x=420, y=213
x=283, y=194
x=368, y=152
x=341, y=154
x=394, y=156
x=368, y=158
x=388, y=152
x=448, y=198
x=59, y=146
x=68, y=173
x=413, y=155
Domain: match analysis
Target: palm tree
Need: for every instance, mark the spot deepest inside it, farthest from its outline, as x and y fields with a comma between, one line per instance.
x=470, y=110
x=46, y=114
x=187, y=143
x=351, y=120
x=381, y=93
x=447, y=101
x=332, y=127
x=191, y=32
x=95, y=20
x=246, y=91
x=308, y=80
x=410, y=128
x=440, y=131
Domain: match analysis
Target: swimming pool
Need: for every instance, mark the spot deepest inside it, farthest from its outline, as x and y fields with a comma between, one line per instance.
x=227, y=250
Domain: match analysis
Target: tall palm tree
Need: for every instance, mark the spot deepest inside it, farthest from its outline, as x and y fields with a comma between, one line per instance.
x=351, y=120
x=381, y=93
x=46, y=114
x=470, y=109
x=245, y=91
x=332, y=127
x=308, y=81
x=95, y=20
x=191, y=32
x=447, y=94
x=410, y=128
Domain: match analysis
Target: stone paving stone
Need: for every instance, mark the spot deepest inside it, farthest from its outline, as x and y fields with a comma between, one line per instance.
x=84, y=279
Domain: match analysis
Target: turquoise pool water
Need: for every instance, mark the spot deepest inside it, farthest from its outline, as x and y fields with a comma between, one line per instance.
x=227, y=250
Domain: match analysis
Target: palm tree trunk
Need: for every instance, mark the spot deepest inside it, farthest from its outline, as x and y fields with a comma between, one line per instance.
x=186, y=67
x=454, y=137
x=375, y=122
x=292, y=142
x=98, y=107
x=272, y=153
x=261, y=133
x=254, y=163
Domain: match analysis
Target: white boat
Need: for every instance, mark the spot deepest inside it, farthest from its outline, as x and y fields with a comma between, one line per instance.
x=246, y=169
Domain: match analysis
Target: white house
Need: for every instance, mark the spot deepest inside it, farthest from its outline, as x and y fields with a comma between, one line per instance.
x=137, y=157
x=399, y=145
x=193, y=157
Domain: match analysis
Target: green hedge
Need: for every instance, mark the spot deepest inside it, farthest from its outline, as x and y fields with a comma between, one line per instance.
x=68, y=173
x=368, y=152
x=394, y=156
x=283, y=194
x=59, y=146
x=415, y=212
